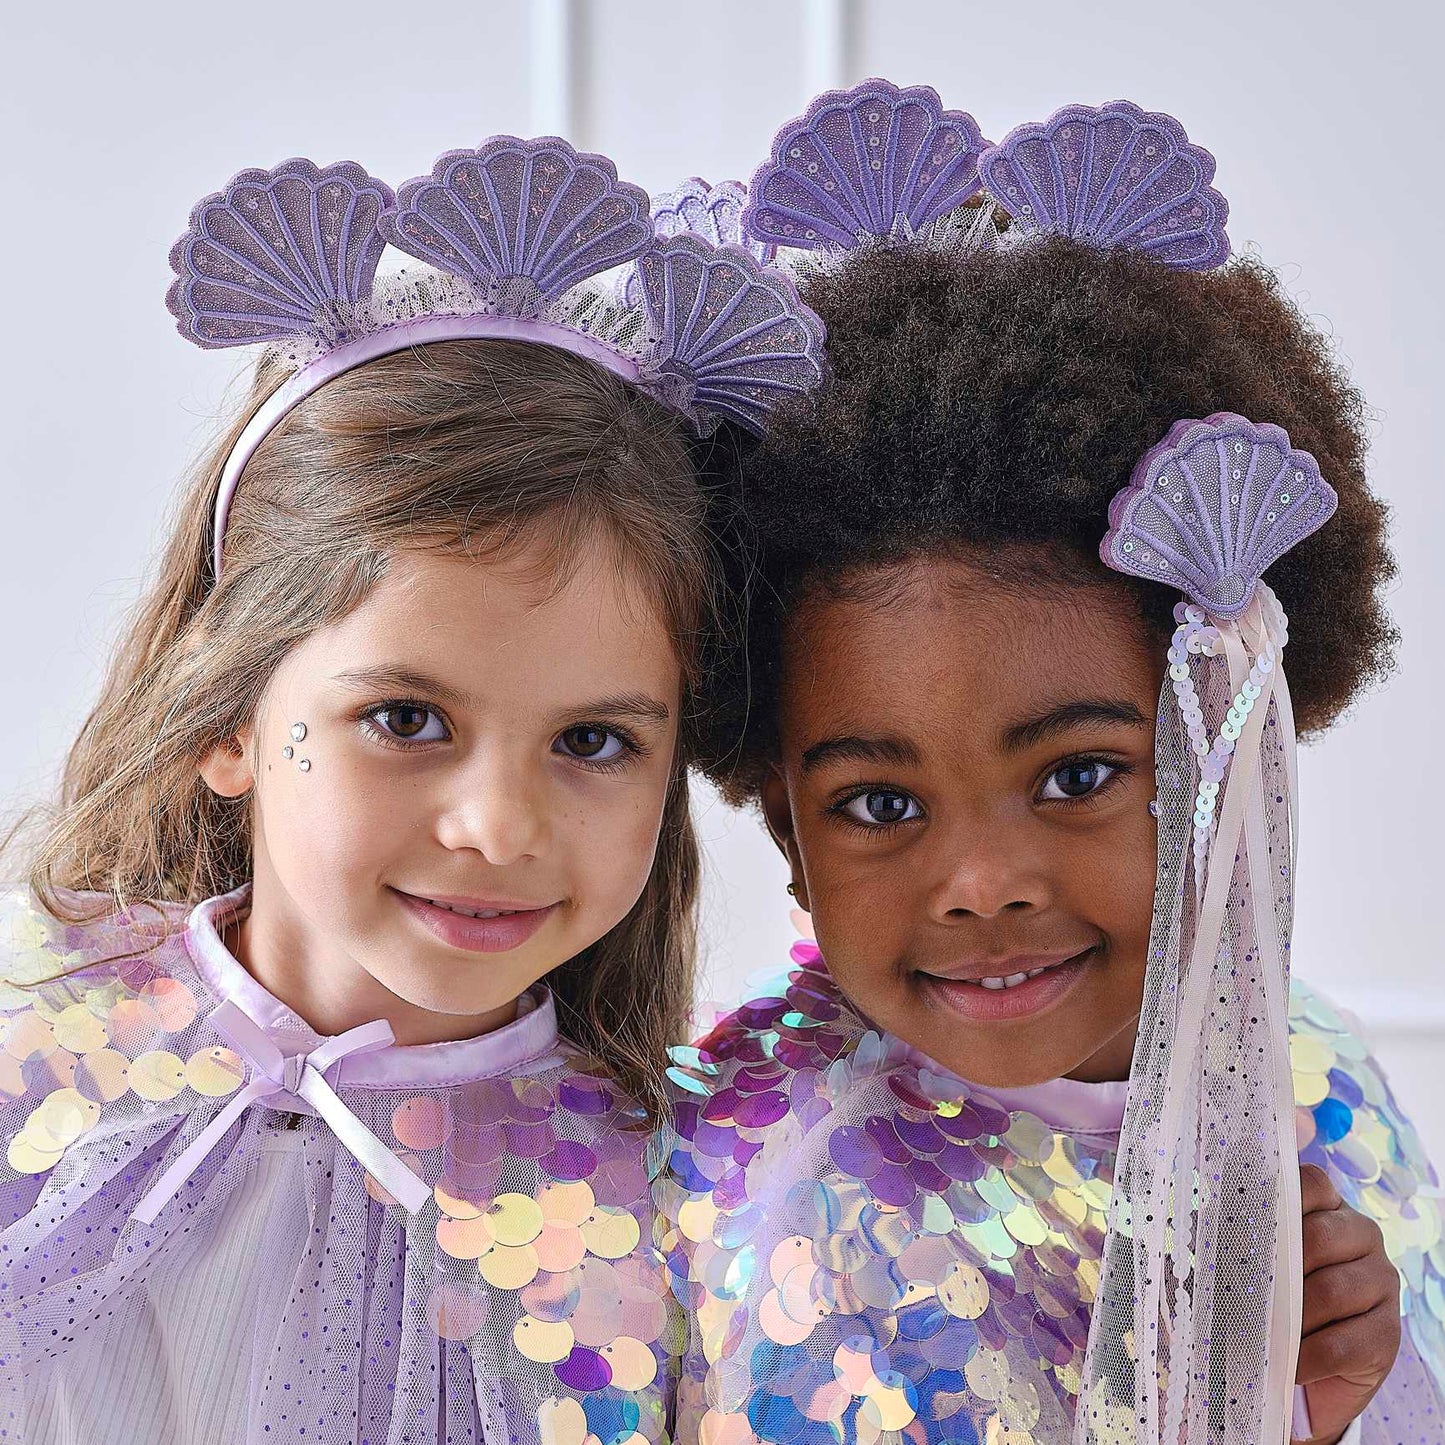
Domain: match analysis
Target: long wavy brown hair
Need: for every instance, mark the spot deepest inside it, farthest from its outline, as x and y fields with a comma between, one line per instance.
x=474, y=445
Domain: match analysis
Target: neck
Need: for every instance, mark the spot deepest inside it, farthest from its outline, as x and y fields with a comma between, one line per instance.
x=330, y=990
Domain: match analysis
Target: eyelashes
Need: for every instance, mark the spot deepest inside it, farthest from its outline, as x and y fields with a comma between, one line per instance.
x=408, y=725
x=907, y=808
x=370, y=719
x=583, y=736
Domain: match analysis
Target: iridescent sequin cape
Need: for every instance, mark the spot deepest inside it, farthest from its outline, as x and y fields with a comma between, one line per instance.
x=282, y=1295
x=872, y=1251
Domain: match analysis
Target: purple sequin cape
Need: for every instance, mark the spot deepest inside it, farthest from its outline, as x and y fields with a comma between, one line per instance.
x=872, y=1250
x=282, y=1295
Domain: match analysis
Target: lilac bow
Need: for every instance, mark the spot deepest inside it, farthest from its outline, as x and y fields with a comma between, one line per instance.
x=303, y=1076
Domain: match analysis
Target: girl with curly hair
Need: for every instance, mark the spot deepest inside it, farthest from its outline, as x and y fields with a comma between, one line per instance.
x=1011, y=1151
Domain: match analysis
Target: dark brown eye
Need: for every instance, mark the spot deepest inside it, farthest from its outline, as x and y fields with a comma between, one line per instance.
x=595, y=744
x=882, y=807
x=411, y=722
x=1078, y=779
x=887, y=807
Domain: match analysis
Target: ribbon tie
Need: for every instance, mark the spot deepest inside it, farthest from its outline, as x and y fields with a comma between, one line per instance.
x=303, y=1076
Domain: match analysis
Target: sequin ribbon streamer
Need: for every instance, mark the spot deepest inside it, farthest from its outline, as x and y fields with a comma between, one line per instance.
x=301, y=1075
x=1241, y=821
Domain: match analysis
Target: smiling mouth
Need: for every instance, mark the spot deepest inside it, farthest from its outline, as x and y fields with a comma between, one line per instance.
x=477, y=925
x=1041, y=981
x=1026, y=967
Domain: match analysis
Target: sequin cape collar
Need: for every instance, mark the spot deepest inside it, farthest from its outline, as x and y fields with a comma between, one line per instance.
x=873, y=1250
x=524, y=1301
x=410, y=1066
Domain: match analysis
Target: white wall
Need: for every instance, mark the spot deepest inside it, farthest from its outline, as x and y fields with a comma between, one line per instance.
x=1324, y=117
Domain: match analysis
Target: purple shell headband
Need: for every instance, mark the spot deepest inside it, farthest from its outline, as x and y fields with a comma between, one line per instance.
x=876, y=163
x=516, y=229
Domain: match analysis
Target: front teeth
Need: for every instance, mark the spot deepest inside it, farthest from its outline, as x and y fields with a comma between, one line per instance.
x=478, y=913
x=1012, y=980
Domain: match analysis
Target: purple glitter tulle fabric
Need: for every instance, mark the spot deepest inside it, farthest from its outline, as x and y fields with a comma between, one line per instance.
x=873, y=161
x=871, y=1249
x=1213, y=506
x=282, y=1295
x=1112, y=175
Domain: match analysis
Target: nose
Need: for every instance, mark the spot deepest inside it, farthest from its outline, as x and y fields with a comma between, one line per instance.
x=988, y=869
x=497, y=806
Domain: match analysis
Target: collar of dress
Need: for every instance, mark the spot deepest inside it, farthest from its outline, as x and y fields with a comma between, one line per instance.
x=531, y=1036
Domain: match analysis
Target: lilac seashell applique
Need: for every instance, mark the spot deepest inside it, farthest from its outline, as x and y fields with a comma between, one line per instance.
x=726, y=336
x=279, y=253
x=1212, y=507
x=523, y=220
x=713, y=212
x=695, y=208
x=871, y=161
x=1112, y=175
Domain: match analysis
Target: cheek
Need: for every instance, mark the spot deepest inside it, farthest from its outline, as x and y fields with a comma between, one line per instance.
x=1112, y=887
x=339, y=819
x=864, y=901
x=609, y=835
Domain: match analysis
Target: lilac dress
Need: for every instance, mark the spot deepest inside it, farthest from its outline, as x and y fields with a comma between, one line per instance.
x=872, y=1250
x=280, y=1292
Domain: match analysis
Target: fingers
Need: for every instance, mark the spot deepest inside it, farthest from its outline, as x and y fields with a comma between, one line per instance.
x=1342, y=1291
x=1361, y=1349
x=1338, y=1235
x=1317, y=1189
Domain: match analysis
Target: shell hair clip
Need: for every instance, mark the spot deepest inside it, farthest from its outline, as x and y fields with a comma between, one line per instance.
x=515, y=237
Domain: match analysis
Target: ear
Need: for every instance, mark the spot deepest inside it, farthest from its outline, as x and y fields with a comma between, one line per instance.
x=227, y=769
x=778, y=815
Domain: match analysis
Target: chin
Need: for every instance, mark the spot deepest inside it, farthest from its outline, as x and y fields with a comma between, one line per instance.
x=990, y=1068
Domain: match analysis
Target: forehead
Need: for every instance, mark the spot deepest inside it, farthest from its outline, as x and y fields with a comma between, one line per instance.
x=512, y=621
x=939, y=640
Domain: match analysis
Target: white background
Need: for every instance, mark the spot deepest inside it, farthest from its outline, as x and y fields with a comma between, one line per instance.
x=1324, y=116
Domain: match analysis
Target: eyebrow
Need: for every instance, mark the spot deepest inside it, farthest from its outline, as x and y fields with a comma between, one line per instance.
x=635, y=706
x=404, y=680
x=854, y=749
x=1068, y=717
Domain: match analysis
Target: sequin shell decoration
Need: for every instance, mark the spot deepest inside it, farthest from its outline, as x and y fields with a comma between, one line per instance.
x=871, y=1250
x=524, y=1303
x=1112, y=175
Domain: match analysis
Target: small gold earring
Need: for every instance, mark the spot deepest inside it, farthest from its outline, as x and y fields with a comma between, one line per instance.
x=792, y=890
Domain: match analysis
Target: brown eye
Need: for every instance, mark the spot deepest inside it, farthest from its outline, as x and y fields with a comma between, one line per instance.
x=411, y=722
x=592, y=743
x=883, y=807
x=1079, y=778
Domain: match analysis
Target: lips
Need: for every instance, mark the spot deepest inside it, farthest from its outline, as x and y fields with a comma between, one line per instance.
x=1007, y=988
x=478, y=925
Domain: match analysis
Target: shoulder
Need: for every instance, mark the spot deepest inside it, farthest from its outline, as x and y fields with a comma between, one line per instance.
x=795, y=1022
x=1350, y=1124
x=1348, y=1119
x=766, y=1074
x=88, y=962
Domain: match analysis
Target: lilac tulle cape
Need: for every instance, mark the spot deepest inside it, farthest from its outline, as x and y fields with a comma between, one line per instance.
x=281, y=1293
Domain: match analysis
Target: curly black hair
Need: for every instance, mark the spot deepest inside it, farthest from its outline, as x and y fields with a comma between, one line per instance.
x=1000, y=400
